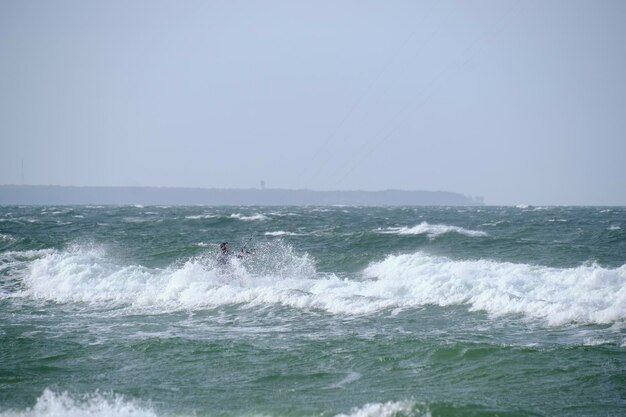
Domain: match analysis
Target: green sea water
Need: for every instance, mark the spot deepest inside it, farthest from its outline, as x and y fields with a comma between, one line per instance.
x=334, y=311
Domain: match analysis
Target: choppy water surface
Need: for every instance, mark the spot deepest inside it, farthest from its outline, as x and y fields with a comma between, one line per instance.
x=348, y=311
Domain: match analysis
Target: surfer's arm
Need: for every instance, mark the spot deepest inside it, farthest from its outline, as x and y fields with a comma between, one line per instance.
x=243, y=252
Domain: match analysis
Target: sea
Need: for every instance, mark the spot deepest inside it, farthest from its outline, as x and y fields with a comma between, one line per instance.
x=327, y=312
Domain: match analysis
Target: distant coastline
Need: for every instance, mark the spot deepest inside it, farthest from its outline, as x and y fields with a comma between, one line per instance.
x=71, y=195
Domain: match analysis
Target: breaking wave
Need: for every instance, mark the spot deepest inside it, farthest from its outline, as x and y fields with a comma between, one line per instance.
x=388, y=409
x=277, y=275
x=54, y=404
x=585, y=294
x=282, y=233
x=253, y=217
x=432, y=230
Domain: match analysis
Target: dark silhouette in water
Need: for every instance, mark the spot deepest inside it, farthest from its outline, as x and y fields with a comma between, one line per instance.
x=223, y=259
x=225, y=255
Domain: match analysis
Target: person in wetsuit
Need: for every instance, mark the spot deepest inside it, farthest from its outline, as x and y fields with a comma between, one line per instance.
x=223, y=259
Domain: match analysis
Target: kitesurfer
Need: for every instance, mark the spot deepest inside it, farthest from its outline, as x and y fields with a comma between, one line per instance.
x=223, y=259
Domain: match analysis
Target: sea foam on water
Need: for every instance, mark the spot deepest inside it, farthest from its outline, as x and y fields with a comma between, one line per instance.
x=53, y=404
x=433, y=230
x=64, y=404
x=584, y=294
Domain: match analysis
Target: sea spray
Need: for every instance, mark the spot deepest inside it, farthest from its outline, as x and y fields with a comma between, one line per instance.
x=64, y=404
x=433, y=230
x=586, y=294
x=350, y=311
x=275, y=274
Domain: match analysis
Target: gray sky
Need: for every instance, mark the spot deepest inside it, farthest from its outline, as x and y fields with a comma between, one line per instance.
x=516, y=101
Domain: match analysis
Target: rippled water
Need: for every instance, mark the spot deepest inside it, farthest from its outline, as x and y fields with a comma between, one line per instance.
x=356, y=311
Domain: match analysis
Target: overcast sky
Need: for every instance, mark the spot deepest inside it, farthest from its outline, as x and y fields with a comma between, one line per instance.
x=522, y=102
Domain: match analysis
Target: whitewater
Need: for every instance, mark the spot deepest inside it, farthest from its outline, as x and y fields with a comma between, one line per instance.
x=333, y=311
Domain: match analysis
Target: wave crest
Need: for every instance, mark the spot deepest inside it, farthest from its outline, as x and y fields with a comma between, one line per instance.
x=586, y=294
x=388, y=409
x=433, y=230
x=52, y=404
x=277, y=275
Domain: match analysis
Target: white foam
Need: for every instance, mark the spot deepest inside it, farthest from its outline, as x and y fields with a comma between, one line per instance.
x=433, y=230
x=52, y=404
x=257, y=216
x=276, y=275
x=26, y=255
x=614, y=227
x=201, y=216
x=68, y=275
x=590, y=341
x=88, y=275
x=496, y=223
x=64, y=404
x=585, y=294
x=282, y=233
x=388, y=409
x=282, y=214
x=7, y=238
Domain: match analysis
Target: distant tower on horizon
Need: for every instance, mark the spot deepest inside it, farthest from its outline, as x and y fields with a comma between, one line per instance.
x=262, y=185
x=22, y=171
